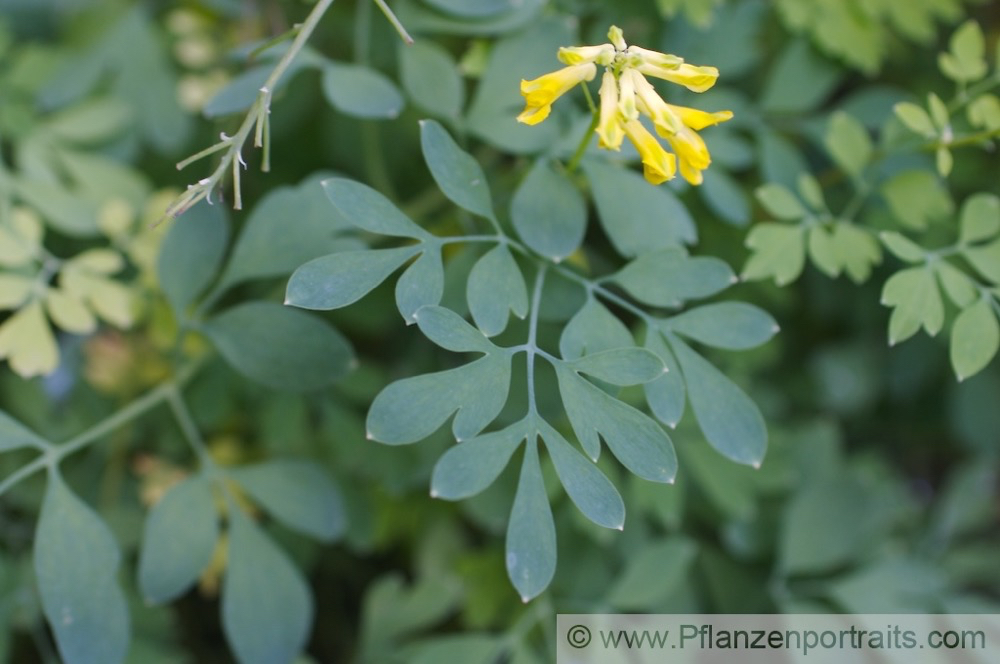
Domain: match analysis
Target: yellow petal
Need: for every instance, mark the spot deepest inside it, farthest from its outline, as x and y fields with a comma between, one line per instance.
x=658, y=165
x=690, y=148
x=574, y=55
x=27, y=342
x=627, y=97
x=650, y=103
x=697, y=119
x=539, y=93
x=695, y=79
x=610, y=133
x=655, y=58
x=617, y=37
x=691, y=174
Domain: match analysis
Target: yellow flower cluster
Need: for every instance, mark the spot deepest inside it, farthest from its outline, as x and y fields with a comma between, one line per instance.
x=625, y=94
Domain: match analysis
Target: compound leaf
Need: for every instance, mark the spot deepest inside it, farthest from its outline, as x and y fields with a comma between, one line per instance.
x=343, y=278
x=459, y=176
x=531, y=532
x=469, y=467
x=731, y=325
x=668, y=277
x=548, y=212
x=496, y=287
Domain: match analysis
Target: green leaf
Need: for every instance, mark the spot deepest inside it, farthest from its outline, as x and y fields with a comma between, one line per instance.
x=823, y=251
x=917, y=198
x=914, y=294
x=89, y=122
x=984, y=112
x=943, y=161
x=496, y=287
x=76, y=564
x=413, y=408
x=732, y=325
x=915, y=118
x=848, y=143
x=369, y=210
x=636, y=217
x=939, y=111
x=280, y=347
x=959, y=287
x=666, y=394
x=589, y=489
x=980, y=218
x=267, y=248
x=298, y=493
x=64, y=210
x=191, y=254
x=548, y=212
x=827, y=524
x=343, y=278
x=856, y=249
x=778, y=251
x=459, y=176
x=975, y=338
x=392, y=610
x=668, y=277
x=780, y=202
x=450, y=331
x=621, y=366
x=267, y=610
x=966, y=60
x=780, y=159
x=422, y=284
x=431, y=79
x=469, y=467
x=810, y=191
x=474, y=8
x=902, y=247
x=14, y=435
x=731, y=422
x=725, y=197
x=638, y=442
x=986, y=260
x=361, y=91
x=531, y=532
x=178, y=540
x=652, y=574
x=592, y=329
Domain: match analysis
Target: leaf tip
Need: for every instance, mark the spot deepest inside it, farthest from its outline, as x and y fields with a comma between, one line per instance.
x=775, y=328
x=434, y=493
x=369, y=436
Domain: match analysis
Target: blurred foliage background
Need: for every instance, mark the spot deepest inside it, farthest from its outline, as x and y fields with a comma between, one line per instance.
x=855, y=191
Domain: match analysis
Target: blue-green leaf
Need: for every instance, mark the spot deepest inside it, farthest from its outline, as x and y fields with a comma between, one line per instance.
x=725, y=197
x=266, y=247
x=76, y=561
x=592, y=329
x=369, y=210
x=191, y=254
x=469, y=467
x=413, y=408
x=589, y=489
x=732, y=325
x=621, y=366
x=178, y=540
x=637, y=441
x=421, y=284
x=731, y=422
x=431, y=79
x=666, y=394
x=298, y=493
x=668, y=277
x=267, y=610
x=548, y=212
x=496, y=287
x=459, y=176
x=636, y=217
x=531, y=532
x=280, y=347
x=340, y=279
x=361, y=91
x=13, y=435
x=474, y=8
x=450, y=331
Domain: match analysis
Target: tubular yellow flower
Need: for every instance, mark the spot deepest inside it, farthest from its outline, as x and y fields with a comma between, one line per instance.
x=610, y=133
x=655, y=58
x=574, y=55
x=691, y=153
x=542, y=91
x=626, y=97
x=658, y=165
x=695, y=79
x=698, y=119
x=650, y=103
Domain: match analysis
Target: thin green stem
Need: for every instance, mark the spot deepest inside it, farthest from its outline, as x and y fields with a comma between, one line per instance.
x=188, y=427
x=584, y=142
x=24, y=472
x=400, y=30
x=532, y=345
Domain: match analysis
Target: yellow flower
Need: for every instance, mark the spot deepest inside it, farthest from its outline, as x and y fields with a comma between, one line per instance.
x=542, y=91
x=658, y=165
x=625, y=95
x=610, y=132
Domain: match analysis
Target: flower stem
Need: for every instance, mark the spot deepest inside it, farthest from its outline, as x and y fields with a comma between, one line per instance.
x=400, y=30
x=584, y=142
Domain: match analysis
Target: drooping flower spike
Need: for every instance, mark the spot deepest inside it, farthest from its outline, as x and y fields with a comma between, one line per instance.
x=625, y=95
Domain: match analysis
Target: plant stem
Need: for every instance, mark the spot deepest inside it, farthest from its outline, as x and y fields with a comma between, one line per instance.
x=186, y=422
x=400, y=30
x=531, y=345
x=584, y=142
